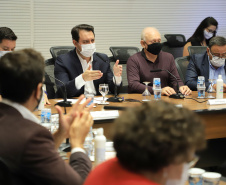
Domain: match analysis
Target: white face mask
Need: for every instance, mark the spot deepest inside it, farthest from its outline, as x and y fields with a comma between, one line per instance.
x=183, y=178
x=88, y=49
x=3, y=53
x=207, y=34
x=217, y=62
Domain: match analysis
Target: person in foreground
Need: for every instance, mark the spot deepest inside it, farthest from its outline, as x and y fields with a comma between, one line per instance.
x=28, y=150
x=83, y=69
x=155, y=143
x=205, y=31
x=210, y=64
x=152, y=58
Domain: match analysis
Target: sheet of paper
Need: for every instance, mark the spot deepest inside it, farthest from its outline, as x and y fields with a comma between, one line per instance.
x=73, y=101
x=102, y=115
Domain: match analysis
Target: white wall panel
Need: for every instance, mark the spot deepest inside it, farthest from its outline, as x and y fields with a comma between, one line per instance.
x=116, y=22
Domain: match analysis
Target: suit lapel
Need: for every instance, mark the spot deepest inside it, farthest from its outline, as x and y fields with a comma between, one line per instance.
x=76, y=63
x=96, y=66
x=205, y=67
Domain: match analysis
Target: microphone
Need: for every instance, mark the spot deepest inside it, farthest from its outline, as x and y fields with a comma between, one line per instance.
x=178, y=95
x=115, y=98
x=63, y=103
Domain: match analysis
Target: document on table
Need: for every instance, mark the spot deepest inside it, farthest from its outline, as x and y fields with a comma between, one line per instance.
x=102, y=115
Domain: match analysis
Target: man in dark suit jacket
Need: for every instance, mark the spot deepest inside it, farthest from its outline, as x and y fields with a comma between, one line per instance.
x=28, y=150
x=210, y=64
x=82, y=69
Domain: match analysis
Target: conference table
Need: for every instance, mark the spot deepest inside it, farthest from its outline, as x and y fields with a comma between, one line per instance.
x=213, y=116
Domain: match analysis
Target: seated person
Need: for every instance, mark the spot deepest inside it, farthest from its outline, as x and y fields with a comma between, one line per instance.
x=210, y=64
x=82, y=69
x=150, y=58
x=155, y=143
x=205, y=31
x=28, y=150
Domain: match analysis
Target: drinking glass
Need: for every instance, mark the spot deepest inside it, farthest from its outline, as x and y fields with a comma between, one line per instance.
x=146, y=94
x=211, y=89
x=103, y=89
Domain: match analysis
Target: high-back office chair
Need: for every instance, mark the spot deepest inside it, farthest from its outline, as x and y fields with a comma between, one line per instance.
x=49, y=81
x=174, y=45
x=182, y=64
x=196, y=50
x=122, y=53
x=59, y=50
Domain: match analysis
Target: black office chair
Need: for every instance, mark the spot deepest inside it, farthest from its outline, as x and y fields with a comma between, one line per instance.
x=59, y=50
x=49, y=80
x=196, y=50
x=174, y=45
x=122, y=53
x=182, y=64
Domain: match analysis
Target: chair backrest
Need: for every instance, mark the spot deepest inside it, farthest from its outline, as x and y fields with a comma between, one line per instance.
x=122, y=53
x=182, y=64
x=59, y=50
x=49, y=81
x=196, y=50
x=124, y=88
x=174, y=45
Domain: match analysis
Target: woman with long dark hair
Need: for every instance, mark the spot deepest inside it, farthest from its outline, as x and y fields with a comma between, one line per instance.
x=205, y=31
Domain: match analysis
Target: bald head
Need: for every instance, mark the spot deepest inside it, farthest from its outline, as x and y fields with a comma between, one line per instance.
x=150, y=33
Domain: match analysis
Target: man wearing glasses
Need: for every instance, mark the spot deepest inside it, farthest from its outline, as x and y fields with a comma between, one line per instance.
x=210, y=64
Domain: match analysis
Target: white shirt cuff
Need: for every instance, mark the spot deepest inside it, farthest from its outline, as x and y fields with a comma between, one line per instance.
x=79, y=82
x=77, y=149
x=118, y=80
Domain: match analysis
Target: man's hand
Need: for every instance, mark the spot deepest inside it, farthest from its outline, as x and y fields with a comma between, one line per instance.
x=117, y=69
x=185, y=90
x=80, y=128
x=168, y=91
x=46, y=100
x=65, y=121
x=89, y=75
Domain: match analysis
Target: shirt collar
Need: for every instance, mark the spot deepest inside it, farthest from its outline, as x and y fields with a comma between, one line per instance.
x=143, y=54
x=27, y=114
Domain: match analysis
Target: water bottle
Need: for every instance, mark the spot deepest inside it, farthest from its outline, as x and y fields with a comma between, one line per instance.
x=219, y=91
x=201, y=87
x=100, y=141
x=88, y=144
x=157, y=88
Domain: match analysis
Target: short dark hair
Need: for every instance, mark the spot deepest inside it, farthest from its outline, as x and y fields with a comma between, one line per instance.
x=7, y=33
x=20, y=73
x=199, y=32
x=153, y=135
x=218, y=40
x=76, y=29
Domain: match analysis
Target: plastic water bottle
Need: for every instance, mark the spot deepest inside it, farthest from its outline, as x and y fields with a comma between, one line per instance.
x=219, y=91
x=157, y=88
x=201, y=87
x=99, y=143
x=88, y=144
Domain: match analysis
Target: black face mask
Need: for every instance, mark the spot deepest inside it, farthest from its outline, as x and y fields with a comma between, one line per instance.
x=154, y=48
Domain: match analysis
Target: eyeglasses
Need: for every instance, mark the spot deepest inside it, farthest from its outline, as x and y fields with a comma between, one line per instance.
x=153, y=41
x=218, y=56
x=193, y=162
x=211, y=31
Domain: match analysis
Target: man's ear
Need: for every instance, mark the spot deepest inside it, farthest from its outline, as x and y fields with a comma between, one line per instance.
x=142, y=43
x=39, y=91
x=75, y=42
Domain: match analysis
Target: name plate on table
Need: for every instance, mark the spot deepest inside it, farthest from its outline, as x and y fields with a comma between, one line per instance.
x=216, y=102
